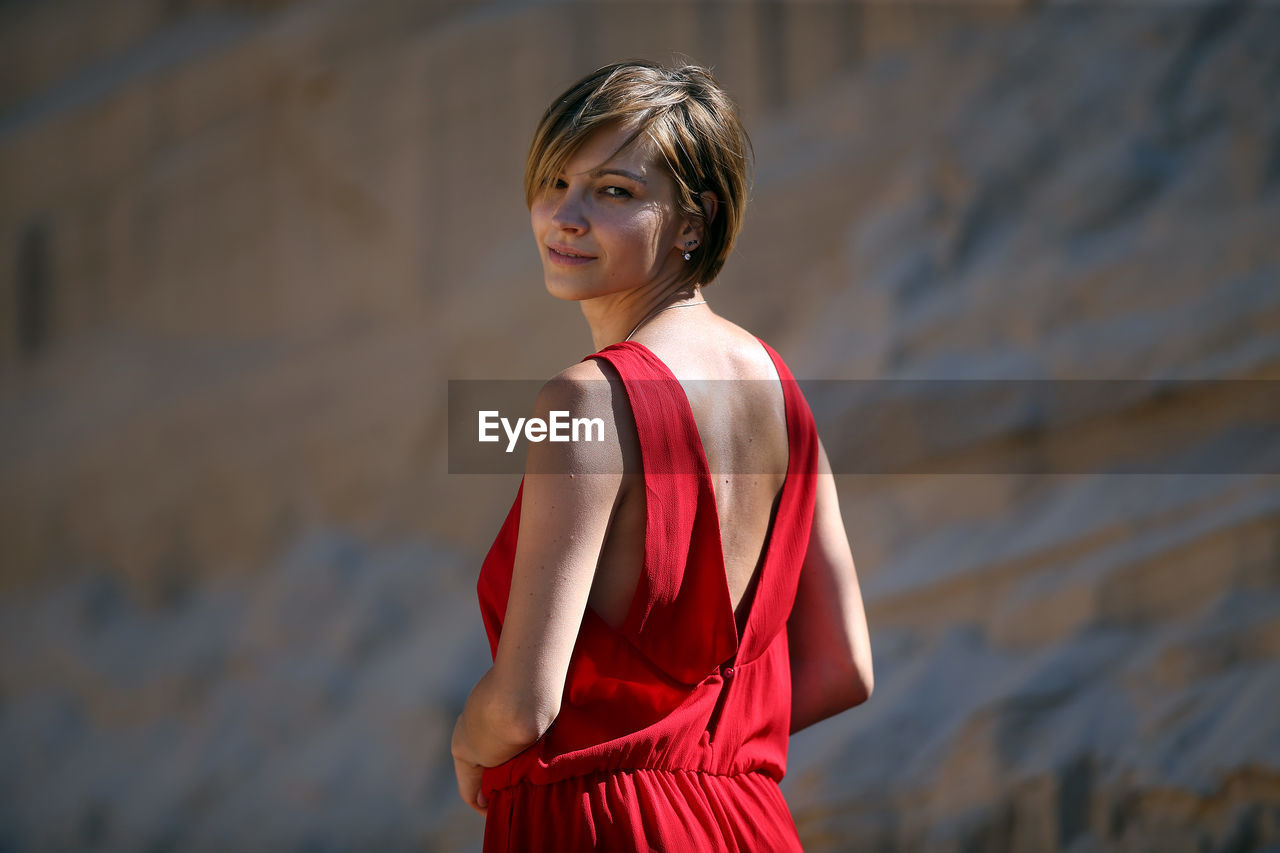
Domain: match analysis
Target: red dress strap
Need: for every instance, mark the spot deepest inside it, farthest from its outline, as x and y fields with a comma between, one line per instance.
x=788, y=539
x=682, y=580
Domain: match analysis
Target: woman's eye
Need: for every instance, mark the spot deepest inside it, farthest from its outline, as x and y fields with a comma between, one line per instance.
x=616, y=192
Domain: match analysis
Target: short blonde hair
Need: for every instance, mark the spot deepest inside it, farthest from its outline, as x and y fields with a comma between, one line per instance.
x=694, y=125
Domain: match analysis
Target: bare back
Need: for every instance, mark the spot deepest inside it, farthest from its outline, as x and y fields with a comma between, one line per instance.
x=741, y=420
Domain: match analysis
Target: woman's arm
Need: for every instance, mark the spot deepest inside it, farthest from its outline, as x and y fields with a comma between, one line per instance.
x=570, y=489
x=827, y=631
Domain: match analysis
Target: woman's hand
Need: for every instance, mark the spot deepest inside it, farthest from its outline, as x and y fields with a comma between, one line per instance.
x=467, y=769
x=469, y=784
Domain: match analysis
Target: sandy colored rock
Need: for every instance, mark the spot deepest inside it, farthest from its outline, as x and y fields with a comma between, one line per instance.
x=245, y=245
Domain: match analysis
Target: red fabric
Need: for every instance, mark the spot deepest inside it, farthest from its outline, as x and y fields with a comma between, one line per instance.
x=672, y=734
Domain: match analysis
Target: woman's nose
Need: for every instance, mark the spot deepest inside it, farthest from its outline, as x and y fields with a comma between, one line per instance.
x=569, y=214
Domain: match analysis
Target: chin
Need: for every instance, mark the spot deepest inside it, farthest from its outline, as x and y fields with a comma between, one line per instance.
x=565, y=291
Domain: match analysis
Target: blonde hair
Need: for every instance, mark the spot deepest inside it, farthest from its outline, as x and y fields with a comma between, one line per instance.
x=694, y=126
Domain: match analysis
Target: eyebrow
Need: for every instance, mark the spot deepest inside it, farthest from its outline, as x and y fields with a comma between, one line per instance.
x=598, y=173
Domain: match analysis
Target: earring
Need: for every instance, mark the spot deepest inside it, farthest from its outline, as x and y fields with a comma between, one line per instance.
x=688, y=249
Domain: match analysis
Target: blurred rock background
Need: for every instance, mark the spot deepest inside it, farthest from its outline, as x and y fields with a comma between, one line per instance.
x=245, y=243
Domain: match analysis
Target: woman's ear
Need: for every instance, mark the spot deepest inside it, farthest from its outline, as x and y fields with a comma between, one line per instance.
x=694, y=232
x=710, y=205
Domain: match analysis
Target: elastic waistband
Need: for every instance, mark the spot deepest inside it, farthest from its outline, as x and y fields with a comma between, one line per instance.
x=580, y=778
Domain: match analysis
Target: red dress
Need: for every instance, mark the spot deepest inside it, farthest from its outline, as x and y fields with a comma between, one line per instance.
x=672, y=733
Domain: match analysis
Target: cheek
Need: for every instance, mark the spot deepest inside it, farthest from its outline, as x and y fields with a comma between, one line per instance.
x=537, y=216
x=644, y=232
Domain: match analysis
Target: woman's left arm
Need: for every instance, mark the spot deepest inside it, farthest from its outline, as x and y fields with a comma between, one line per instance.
x=570, y=491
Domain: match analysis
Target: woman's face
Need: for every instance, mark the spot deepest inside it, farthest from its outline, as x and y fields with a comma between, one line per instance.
x=609, y=223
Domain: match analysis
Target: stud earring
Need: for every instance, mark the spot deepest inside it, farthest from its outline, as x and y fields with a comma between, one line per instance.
x=688, y=249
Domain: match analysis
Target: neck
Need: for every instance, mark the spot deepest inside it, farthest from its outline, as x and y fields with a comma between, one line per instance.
x=613, y=317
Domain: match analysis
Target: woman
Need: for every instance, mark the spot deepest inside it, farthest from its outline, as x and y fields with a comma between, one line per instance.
x=649, y=660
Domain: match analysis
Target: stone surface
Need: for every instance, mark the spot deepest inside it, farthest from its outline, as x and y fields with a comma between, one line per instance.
x=244, y=245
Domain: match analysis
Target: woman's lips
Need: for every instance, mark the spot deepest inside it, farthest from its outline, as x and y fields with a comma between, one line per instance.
x=564, y=256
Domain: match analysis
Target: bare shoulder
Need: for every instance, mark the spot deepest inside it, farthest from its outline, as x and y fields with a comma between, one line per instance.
x=588, y=403
x=587, y=388
x=747, y=348
x=577, y=382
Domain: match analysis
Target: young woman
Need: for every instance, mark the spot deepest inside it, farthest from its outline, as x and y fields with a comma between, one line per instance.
x=665, y=606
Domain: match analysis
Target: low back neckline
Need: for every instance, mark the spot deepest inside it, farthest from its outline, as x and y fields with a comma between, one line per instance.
x=703, y=470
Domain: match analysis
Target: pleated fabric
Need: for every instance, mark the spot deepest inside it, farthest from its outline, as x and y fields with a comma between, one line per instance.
x=672, y=732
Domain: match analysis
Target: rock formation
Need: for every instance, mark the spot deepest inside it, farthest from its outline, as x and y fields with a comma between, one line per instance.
x=244, y=246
